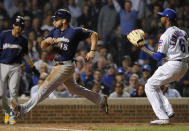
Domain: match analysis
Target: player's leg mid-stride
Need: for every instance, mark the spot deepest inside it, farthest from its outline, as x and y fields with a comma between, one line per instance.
x=18, y=108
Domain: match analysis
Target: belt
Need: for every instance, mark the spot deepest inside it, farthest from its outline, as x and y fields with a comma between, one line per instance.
x=69, y=62
x=182, y=60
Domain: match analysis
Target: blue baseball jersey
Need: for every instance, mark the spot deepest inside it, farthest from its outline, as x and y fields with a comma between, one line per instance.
x=12, y=48
x=69, y=38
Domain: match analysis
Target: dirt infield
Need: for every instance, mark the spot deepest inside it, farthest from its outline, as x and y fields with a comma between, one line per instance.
x=72, y=127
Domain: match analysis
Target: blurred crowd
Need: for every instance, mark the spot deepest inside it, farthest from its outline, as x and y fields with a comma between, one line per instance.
x=118, y=69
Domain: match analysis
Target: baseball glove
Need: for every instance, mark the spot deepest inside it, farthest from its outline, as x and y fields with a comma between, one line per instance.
x=136, y=37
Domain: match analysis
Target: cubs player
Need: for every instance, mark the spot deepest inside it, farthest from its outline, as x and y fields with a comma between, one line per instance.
x=174, y=47
x=64, y=39
x=13, y=47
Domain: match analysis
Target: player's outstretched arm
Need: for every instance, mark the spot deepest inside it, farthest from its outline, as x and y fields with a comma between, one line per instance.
x=147, y=51
x=136, y=37
x=94, y=39
x=158, y=56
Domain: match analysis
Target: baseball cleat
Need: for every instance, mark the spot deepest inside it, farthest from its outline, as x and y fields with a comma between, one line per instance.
x=12, y=118
x=6, y=118
x=171, y=115
x=104, y=107
x=15, y=108
x=160, y=122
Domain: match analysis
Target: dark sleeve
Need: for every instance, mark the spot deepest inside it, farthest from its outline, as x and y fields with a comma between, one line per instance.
x=25, y=46
x=83, y=33
x=1, y=40
x=50, y=34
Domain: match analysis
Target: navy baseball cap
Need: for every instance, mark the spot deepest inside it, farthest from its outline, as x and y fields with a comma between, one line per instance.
x=169, y=13
x=62, y=14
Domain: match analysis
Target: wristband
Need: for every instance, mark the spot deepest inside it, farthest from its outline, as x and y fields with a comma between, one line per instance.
x=93, y=50
x=31, y=63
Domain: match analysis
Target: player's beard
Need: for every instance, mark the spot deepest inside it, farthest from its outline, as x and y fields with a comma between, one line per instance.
x=58, y=26
x=163, y=22
x=18, y=30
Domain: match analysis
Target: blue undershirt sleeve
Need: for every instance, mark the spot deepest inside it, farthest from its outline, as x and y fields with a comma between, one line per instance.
x=158, y=56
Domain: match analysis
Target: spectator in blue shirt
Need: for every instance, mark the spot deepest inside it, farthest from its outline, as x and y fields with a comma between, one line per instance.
x=128, y=17
x=109, y=78
x=146, y=73
x=128, y=20
x=125, y=68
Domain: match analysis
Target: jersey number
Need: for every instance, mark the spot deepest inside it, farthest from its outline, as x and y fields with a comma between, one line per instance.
x=182, y=45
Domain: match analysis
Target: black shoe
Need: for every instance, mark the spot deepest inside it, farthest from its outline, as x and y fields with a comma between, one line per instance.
x=104, y=107
x=171, y=115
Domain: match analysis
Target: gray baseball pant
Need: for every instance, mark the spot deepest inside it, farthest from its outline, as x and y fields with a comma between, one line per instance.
x=61, y=74
x=9, y=76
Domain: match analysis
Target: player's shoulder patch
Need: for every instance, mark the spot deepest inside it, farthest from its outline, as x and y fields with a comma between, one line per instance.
x=160, y=43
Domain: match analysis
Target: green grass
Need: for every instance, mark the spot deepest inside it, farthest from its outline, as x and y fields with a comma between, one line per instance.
x=150, y=128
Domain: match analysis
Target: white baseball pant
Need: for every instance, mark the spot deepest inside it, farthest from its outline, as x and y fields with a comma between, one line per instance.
x=61, y=74
x=169, y=72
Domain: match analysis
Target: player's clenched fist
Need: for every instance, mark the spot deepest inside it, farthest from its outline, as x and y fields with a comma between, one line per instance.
x=90, y=55
x=49, y=40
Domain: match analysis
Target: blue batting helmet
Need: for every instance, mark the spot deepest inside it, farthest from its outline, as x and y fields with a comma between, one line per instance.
x=62, y=14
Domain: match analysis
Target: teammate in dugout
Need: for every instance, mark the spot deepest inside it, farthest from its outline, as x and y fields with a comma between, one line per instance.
x=174, y=47
x=13, y=48
x=64, y=39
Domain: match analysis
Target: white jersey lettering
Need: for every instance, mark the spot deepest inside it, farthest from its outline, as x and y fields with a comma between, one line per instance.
x=174, y=44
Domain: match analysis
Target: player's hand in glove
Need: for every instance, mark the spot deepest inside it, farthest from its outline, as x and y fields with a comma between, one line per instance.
x=90, y=55
x=35, y=71
x=136, y=37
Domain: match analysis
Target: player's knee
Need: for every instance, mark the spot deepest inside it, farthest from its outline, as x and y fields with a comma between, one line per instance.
x=146, y=88
x=149, y=87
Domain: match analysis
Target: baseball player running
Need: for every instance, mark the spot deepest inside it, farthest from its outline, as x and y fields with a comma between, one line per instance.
x=13, y=47
x=173, y=45
x=64, y=39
